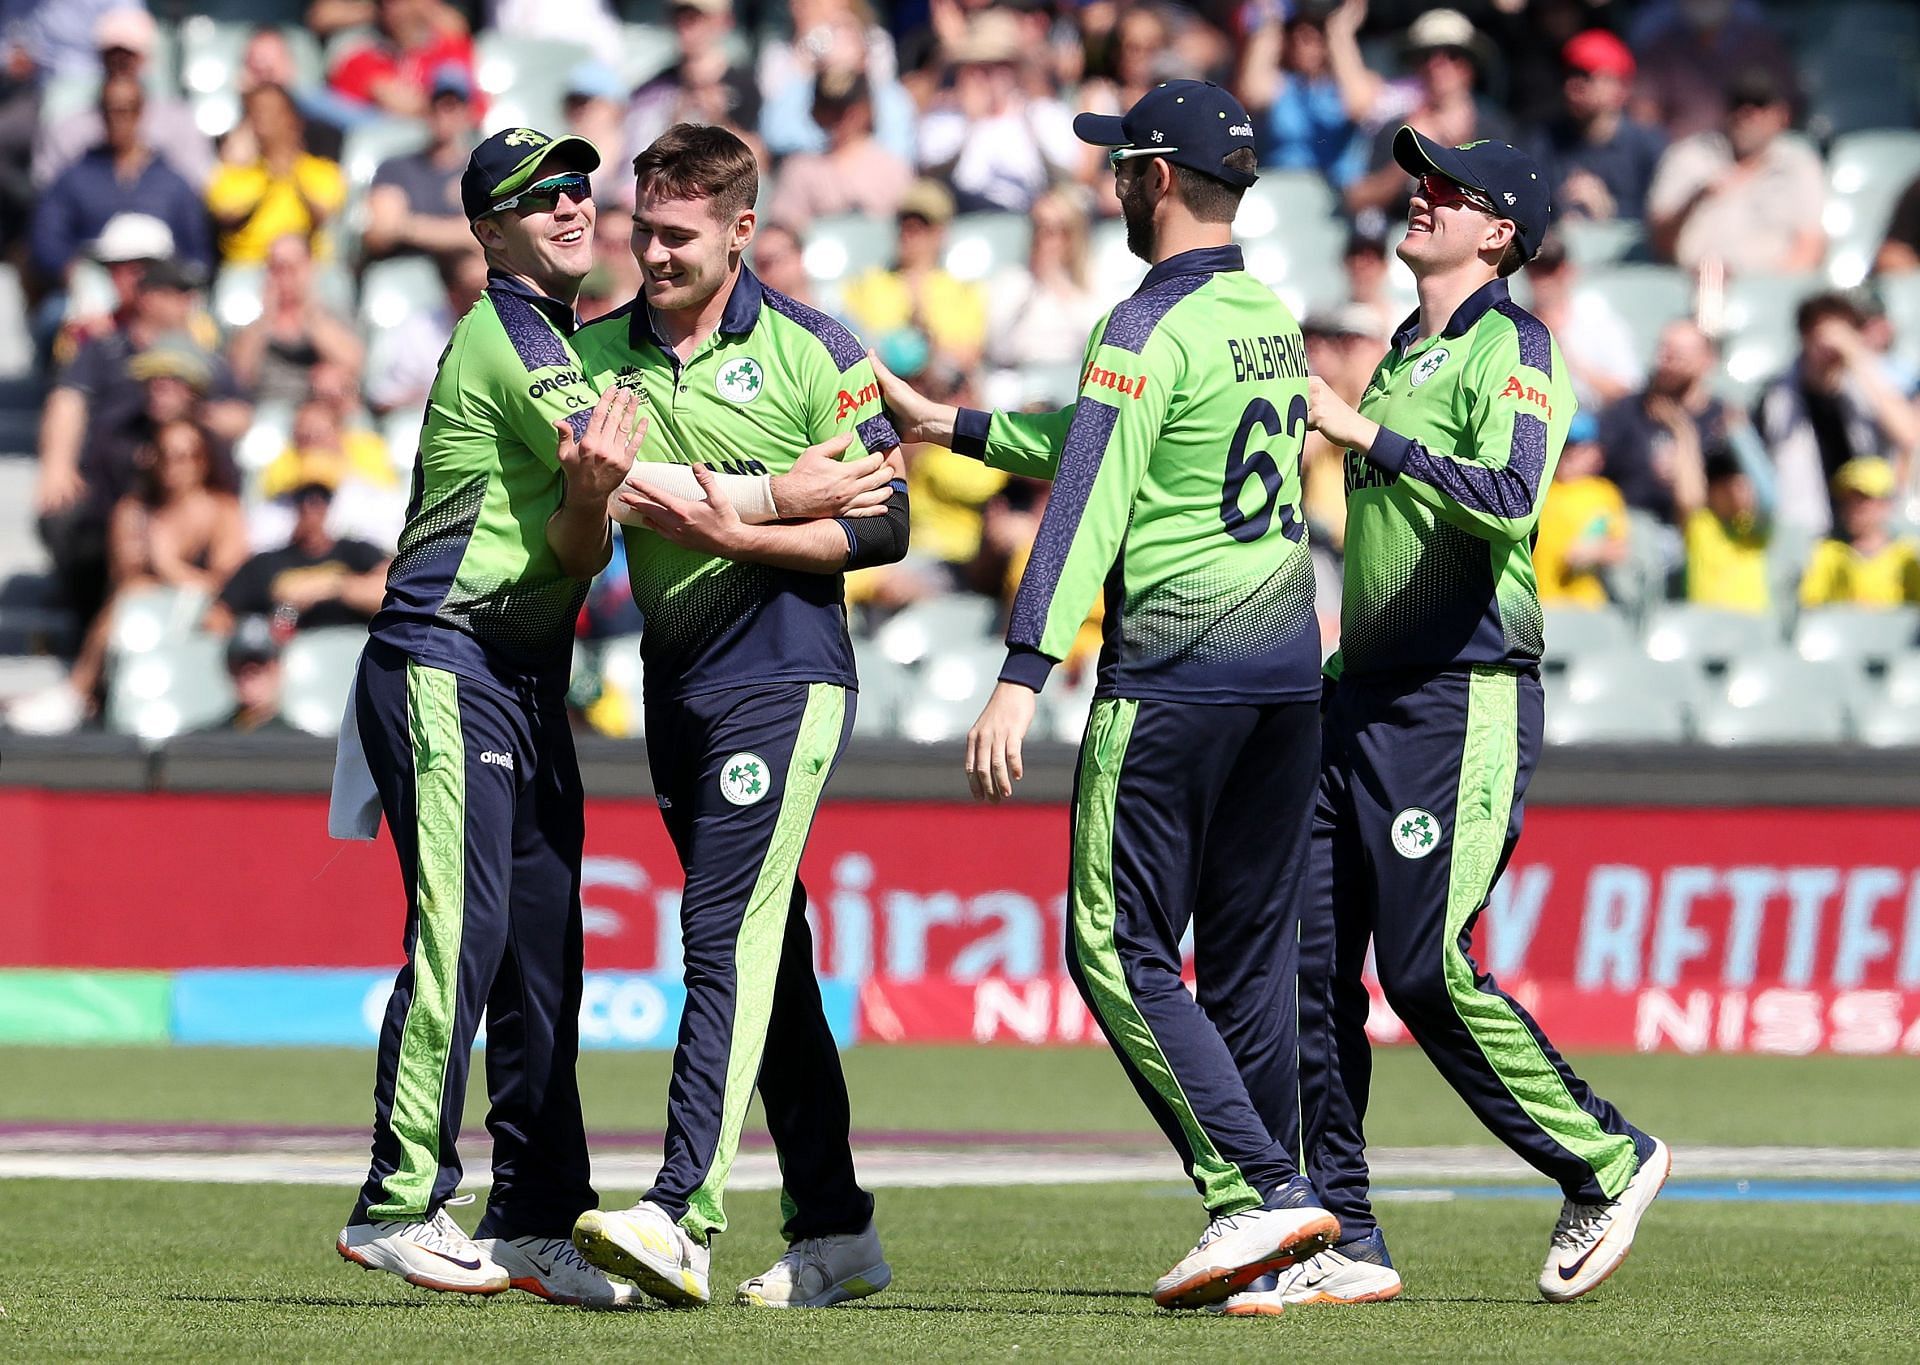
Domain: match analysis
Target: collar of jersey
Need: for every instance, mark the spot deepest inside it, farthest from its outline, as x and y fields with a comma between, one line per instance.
x=1478, y=304
x=1202, y=260
x=560, y=314
x=737, y=319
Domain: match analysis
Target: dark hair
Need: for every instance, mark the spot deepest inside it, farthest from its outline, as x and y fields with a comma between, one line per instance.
x=1817, y=308
x=1720, y=462
x=148, y=486
x=695, y=161
x=1209, y=198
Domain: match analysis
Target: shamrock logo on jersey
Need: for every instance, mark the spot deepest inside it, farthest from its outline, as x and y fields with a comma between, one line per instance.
x=1429, y=364
x=740, y=381
x=744, y=779
x=1415, y=833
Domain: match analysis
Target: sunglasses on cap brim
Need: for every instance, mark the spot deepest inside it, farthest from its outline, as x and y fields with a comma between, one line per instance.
x=1117, y=155
x=543, y=195
x=1451, y=191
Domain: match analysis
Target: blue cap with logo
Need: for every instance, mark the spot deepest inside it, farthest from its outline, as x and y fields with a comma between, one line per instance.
x=513, y=159
x=1196, y=124
x=1508, y=178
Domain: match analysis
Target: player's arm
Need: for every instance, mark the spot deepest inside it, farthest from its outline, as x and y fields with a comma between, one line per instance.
x=1019, y=443
x=1491, y=487
x=594, y=451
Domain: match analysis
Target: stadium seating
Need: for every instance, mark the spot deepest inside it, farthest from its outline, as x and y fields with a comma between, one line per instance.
x=393, y=289
x=1618, y=720
x=884, y=689
x=170, y=690
x=1646, y=298
x=920, y=630
x=236, y=298
x=1858, y=637
x=645, y=51
x=1890, y=727
x=954, y=682
x=620, y=667
x=525, y=78
x=839, y=248
x=1776, y=697
x=1572, y=633
x=1866, y=173
x=979, y=244
x=1706, y=636
x=1592, y=243
x=1758, y=326
x=16, y=344
x=317, y=675
x=145, y=619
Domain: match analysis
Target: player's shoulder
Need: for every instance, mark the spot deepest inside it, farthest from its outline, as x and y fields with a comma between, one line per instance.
x=811, y=331
x=1508, y=329
x=608, y=332
x=504, y=335
x=1149, y=314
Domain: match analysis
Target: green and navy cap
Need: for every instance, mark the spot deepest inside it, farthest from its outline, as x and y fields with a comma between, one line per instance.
x=1191, y=123
x=515, y=158
x=1507, y=177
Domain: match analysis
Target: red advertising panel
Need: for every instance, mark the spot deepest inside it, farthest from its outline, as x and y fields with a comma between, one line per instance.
x=1699, y=929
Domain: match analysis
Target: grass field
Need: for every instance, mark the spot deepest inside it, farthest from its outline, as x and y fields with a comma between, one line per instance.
x=147, y=1270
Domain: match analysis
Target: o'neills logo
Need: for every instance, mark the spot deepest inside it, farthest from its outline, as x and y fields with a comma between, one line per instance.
x=851, y=403
x=1131, y=385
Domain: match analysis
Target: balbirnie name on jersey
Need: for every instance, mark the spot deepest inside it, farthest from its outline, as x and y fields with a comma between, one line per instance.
x=1261, y=358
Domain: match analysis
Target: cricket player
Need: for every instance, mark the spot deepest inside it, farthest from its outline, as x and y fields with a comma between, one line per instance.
x=1177, y=490
x=1432, y=730
x=749, y=694
x=459, y=715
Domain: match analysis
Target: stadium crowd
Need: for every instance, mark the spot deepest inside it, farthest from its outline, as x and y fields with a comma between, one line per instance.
x=242, y=252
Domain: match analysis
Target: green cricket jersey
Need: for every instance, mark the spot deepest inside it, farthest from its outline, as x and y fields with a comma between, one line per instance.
x=474, y=587
x=1441, y=510
x=1177, y=486
x=773, y=379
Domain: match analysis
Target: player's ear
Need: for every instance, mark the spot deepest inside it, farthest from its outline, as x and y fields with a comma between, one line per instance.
x=1499, y=233
x=743, y=226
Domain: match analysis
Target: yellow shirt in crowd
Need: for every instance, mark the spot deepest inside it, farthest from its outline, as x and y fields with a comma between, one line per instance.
x=1726, y=565
x=1839, y=575
x=275, y=206
x=953, y=312
x=1576, y=511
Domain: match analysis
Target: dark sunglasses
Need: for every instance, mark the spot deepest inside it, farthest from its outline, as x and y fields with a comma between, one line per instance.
x=1441, y=192
x=543, y=195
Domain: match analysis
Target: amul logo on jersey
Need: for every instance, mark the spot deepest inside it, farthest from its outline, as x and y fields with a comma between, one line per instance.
x=1132, y=385
x=851, y=403
x=1526, y=393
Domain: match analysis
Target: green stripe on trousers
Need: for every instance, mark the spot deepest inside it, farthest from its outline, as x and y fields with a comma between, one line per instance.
x=763, y=929
x=1091, y=914
x=1488, y=767
x=440, y=834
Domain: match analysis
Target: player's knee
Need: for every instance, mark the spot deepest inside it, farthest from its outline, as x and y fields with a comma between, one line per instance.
x=1416, y=991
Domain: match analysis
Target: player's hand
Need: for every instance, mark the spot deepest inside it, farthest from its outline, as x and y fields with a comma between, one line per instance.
x=993, y=744
x=1334, y=418
x=820, y=484
x=597, y=462
x=915, y=416
x=712, y=526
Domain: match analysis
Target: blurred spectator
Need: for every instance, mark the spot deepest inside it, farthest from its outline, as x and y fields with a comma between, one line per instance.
x=1687, y=63
x=273, y=357
x=1009, y=527
x=414, y=204
x=1745, y=196
x=267, y=59
x=253, y=666
x=367, y=503
x=1445, y=54
x=121, y=175
x=829, y=36
x=855, y=174
x=703, y=86
x=404, y=358
x=997, y=144
x=1727, y=540
x=1343, y=347
x=1140, y=56
x=1583, y=524
x=1900, y=252
x=56, y=37
x=1309, y=89
x=1364, y=260
x=127, y=245
x=778, y=261
x=102, y=409
x=1599, y=160
x=392, y=68
x=269, y=184
x=176, y=528
x=1865, y=565
x=590, y=23
x=19, y=126
x=1654, y=440
x=1598, y=348
x=315, y=579
x=1039, y=315
x=1832, y=406
x=124, y=38
x=595, y=108
x=918, y=293
x=614, y=280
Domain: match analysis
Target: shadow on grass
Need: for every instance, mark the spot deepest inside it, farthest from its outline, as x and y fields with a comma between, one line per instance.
x=298, y=1301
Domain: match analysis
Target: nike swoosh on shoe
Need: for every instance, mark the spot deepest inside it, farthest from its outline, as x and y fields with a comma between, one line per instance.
x=1567, y=1272
x=464, y=1265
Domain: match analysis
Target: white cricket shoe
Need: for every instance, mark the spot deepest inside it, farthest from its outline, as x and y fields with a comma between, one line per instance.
x=1238, y=1248
x=1346, y=1274
x=644, y=1244
x=432, y=1253
x=818, y=1272
x=1591, y=1240
x=552, y=1269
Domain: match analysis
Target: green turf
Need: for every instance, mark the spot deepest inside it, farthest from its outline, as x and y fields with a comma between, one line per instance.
x=144, y=1271
x=1854, y=1101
